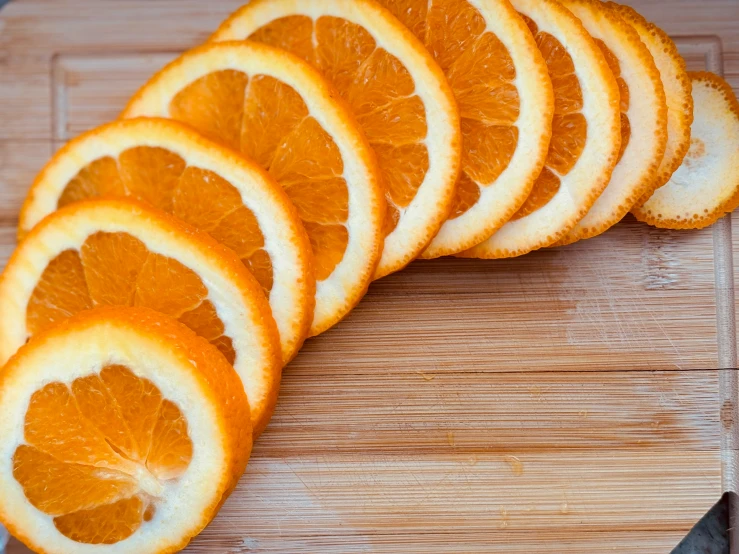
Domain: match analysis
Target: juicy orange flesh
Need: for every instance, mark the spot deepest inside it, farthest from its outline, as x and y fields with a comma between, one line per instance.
x=198, y=196
x=98, y=450
x=623, y=90
x=378, y=88
x=481, y=73
x=268, y=121
x=117, y=269
x=569, y=127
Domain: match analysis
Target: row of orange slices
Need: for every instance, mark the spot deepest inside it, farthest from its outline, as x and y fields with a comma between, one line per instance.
x=253, y=189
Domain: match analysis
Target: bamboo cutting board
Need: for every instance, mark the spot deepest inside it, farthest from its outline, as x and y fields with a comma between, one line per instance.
x=572, y=400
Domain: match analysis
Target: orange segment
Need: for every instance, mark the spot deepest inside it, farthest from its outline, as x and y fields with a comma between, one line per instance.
x=295, y=34
x=272, y=110
x=99, y=178
x=545, y=187
x=203, y=198
x=328, y=242
x=51, y=303
x=402, y=186
x=138, y=401
x=106, y=524
x=260, y=265
x=47, y=481
x=98, y=405
x=240, y=231
x=341, y=47
x=151, y=174
x=204, y=321
x=171, y=447
x=489, y=150
x=78, y=441
x=569, y=133
x=448, y=38
x=112, y=263
x=214, y=105
x=167, y=286
x=466, y=196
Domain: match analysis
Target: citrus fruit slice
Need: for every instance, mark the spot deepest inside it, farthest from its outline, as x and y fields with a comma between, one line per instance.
x=676, y=85
x=586, y=134
x=277, y=110
x=505, y=101
x=397, y=93
x=643, y=117
x=706, y=185
x=172, y=167
x=121, y=252
x=120, y=427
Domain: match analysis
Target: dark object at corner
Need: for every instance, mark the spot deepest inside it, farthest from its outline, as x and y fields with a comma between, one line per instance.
x=712, y=534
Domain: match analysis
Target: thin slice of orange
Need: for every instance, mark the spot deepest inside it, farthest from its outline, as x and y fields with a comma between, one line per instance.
x=397, y=93
x=643, y=117
x=676, y=85
x=274, y=108
x=586, y=134
x=506, y=105
x=173, y=168
x=706, y=185
x=121, y=252
x=119, y=424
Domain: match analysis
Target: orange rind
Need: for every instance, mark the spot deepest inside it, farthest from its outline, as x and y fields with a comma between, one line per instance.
x=706, y=185
x=121, y=252
x=676, y=85
x=506, y=105
x=274, y=108
x=175, y=169
x=643, y=117
x=122, y=431
x=586, y=135
x=397, y=92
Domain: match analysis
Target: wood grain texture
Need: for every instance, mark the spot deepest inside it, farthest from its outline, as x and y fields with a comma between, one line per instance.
x=565, y=401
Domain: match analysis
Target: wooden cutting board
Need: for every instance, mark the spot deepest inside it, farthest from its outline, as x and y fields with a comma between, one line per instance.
x=567, y=401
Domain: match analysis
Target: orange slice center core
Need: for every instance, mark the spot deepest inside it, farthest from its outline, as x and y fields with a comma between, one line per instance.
x=98, y=453
x=197, y=196
x=569, y=127
x=482, y=75
x=378, y=88
x=116, y=269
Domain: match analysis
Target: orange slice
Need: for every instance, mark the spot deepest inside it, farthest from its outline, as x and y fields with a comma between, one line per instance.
x=506, y=104
x=277, y=110
x=676, y=85
x=122, y=253
x=118, y=425
x=586, y=134
x=643, y=117
x=706, y=185
x=172, y=167
x=398, y=94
